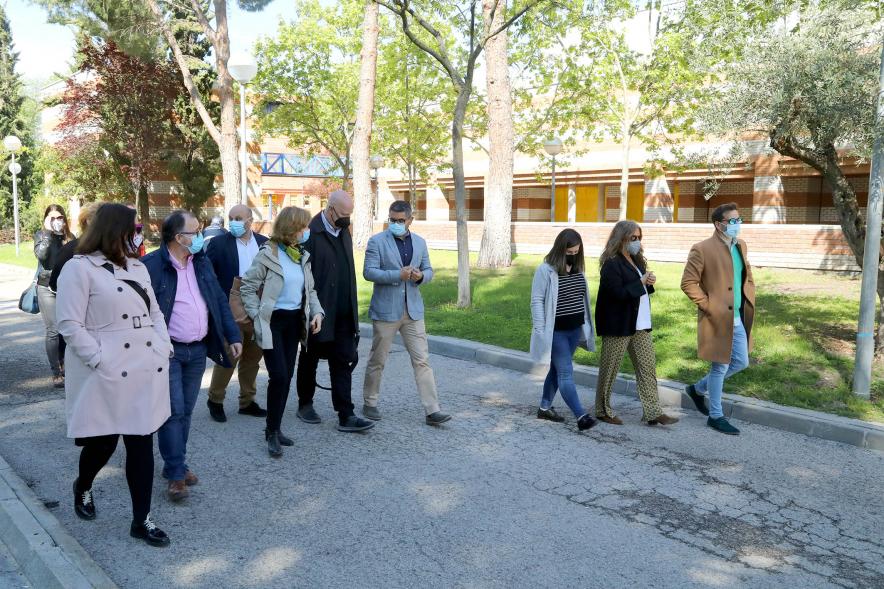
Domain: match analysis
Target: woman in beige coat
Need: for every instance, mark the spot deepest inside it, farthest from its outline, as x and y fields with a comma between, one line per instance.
x=278, y=294
x=116, y=361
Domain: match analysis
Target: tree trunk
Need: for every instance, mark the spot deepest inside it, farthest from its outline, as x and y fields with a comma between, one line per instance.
x=363, y=195
x=496, y=248
x=228, y=147
x=142, y=205
x=825, y=161
x=464, y=298
x=624, y=177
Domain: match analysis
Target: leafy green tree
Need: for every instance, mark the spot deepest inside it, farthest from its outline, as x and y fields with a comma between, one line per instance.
x=412, y=128
x=810, y=85
x=308, y=78
x=429, y=24
x=14, y=120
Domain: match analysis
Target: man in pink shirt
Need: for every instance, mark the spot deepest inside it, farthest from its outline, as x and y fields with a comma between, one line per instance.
x=200, y=325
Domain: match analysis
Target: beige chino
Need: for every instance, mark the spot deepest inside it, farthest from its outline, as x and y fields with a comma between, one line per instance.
x=414, y=337
x=248, y=364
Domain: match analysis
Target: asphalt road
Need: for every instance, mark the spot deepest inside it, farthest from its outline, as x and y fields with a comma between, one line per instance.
x=496, y=498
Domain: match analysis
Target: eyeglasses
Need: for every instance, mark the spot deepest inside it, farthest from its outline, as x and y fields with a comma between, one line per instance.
x=398, y=221
x=635, y=238
x=734, y=221
x=188, y=232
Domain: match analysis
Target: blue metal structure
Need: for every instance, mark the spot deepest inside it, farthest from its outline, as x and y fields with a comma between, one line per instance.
x=290, y=164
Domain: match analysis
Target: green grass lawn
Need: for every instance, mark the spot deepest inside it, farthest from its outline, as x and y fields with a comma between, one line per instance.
x=804, y=329
x=25, y=258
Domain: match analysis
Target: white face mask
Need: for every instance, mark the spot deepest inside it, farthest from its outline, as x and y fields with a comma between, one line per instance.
x=138, y=240
x=57, y=225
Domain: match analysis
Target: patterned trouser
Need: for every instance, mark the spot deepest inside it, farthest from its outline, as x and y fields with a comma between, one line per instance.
x=641, y=351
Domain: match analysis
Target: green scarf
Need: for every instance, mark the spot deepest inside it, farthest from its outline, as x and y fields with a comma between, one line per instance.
x=293, y=252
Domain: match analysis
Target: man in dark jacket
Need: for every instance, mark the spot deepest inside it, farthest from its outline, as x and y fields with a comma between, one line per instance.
x=199, y=321
x=231, y=254
x=331, y=254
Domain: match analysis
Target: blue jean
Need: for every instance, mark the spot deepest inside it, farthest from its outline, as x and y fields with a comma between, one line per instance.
x=713, y=383
x=561, y=371
x=186, y=370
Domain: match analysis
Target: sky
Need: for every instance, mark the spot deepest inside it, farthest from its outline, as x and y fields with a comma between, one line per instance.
x=45, y=49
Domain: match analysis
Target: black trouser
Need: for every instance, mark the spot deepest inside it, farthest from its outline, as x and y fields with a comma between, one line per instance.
x=139, y=467
x=285, y=326
x=342, y=359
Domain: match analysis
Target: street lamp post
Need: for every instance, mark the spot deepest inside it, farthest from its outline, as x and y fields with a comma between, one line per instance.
x=376, y=162
x=12, y=144
x=553, y=147
x=243, y=69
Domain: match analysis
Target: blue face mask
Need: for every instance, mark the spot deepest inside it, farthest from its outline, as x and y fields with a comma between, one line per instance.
x=732, y=231
x=238, y=228
x=196, y=244
x=398, y=229
x=304, y=236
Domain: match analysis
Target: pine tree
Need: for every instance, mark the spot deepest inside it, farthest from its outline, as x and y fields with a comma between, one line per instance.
x=12, y=122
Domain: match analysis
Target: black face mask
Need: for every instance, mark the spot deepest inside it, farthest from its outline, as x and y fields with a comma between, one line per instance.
x=571, y=259
x=342, y=222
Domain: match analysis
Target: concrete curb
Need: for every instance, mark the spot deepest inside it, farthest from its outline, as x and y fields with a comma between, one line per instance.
x=791, y=419
x=48, y=556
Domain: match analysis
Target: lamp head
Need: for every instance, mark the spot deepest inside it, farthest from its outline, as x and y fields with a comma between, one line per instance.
x=12, y=144
x=553, y=146
x=242, y=67
x=376, y=162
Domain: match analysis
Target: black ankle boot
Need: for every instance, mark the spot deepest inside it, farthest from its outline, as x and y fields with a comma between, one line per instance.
x=84, y=505
x=284, y=440
x=274, y=446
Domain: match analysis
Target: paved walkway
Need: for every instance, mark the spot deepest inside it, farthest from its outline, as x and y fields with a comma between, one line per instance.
x=496, y=498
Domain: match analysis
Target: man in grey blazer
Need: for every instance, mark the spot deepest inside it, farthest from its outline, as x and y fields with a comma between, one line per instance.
x=398, y=263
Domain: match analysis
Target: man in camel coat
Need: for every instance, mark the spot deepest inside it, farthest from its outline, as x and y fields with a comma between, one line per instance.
x=718, y=279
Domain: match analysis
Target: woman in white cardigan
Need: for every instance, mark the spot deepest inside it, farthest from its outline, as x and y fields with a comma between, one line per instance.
x=561, y=320
x=117, y=362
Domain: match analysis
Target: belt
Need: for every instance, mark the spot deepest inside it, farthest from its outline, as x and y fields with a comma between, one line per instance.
x=199, y=341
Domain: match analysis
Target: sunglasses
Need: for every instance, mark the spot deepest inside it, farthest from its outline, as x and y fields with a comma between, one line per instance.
x=734, y=221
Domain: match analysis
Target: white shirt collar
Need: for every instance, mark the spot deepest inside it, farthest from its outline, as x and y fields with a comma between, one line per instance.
x=328, y=226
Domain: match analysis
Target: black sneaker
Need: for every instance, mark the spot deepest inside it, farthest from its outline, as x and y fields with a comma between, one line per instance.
x=698, y=399
x=586, y=422
x=149, y=532
x=354, y=424
x=722, y=425
x=216, y=411
x=437, y=418
x=308, y=415
x=254, y=410
x=84, y=506
x=550, y=415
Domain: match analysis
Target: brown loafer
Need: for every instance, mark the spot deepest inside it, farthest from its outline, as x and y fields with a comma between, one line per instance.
x=177, y=491
x=612, y=420
x=190, y=479
x=663, y=419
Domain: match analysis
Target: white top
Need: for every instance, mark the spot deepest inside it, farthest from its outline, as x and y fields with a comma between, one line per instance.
x=247, y=253
x=292, y=293
x=643, y=321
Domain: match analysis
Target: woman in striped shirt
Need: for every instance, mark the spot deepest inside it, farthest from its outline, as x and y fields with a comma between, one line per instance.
x=560, y=314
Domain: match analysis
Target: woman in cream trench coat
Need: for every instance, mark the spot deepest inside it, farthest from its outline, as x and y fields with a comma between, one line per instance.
x=118, y=350
x=117, y=362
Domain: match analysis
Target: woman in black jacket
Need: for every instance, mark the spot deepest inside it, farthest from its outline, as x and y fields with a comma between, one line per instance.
x=47, y=246
x=623, y=321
